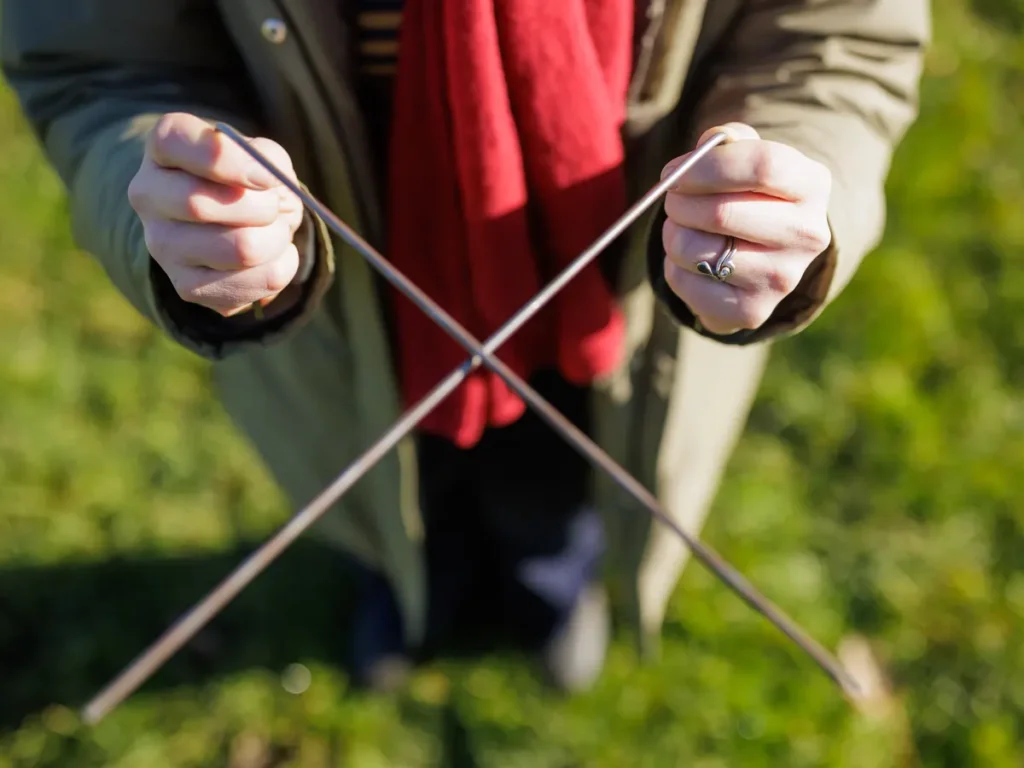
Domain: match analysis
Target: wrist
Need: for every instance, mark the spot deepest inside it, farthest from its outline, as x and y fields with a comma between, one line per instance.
x=206, y=325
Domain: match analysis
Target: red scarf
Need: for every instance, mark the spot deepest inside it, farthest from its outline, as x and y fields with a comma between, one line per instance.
x=506, y=161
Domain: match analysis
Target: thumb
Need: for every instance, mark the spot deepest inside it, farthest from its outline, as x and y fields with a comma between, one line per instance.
x=734, y=132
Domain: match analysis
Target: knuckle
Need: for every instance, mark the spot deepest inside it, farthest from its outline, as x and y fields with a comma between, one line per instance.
x=188, y=288
x=718, y=325
x=824, y=236
x=669, y=238
x=227, y=304
x=752, y=314
x=156, y=237
x=278, y=278
x=783, y=281
x=247, y=250
x=812, y=235
x=189, y=293
x=722, y=215
x=281, y=271
x=764, y=166
x=670, y=272
x=197, y=207
x=138, y=192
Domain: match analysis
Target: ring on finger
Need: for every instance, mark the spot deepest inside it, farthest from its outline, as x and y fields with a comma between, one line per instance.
x=723, y=266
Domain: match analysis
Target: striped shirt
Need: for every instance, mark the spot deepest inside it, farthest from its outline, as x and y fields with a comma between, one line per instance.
x=377, y=25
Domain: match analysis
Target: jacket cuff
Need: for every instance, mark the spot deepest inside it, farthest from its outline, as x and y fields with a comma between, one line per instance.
x=793, y=314
x=213, y=336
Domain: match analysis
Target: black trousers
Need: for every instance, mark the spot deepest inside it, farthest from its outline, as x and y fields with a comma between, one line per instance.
x=510, y=534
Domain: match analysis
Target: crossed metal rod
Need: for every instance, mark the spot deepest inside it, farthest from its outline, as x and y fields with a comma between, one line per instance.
x=482, y=353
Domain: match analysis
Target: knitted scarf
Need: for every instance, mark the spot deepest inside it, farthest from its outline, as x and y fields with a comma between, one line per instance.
x=506, y=161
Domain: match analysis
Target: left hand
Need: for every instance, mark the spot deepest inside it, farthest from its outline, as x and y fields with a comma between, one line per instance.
x=772, y=199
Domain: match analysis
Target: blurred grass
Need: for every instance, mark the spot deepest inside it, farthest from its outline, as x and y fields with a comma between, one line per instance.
x=878, y=491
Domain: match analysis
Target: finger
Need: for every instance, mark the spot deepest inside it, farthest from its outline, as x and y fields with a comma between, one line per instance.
x=291, y=206
x=230, y=292
x=766, y=167
x=188, y=143
x=180, y=196
x=734, y=131
x=720, y=307
x=215, y=246
x=767, y=221
x=291, y=209
x=755, y=268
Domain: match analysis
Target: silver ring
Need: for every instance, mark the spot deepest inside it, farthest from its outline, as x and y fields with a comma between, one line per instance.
x=723, y=267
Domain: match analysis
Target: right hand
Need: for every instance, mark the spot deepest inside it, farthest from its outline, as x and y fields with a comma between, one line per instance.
x=218, y=223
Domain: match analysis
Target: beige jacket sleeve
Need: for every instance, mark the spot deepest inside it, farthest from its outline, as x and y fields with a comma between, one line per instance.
x=838, y=81
x=92, y=79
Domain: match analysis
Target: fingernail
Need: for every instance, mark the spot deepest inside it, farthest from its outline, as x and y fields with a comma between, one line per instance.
x=706, y=136
x=288, y=202
x=733, y=132
x=669, y=167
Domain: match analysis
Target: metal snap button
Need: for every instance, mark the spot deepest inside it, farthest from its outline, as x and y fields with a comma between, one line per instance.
x=274, y=30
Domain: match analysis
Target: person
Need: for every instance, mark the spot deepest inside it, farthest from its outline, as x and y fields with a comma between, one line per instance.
x=481, y=146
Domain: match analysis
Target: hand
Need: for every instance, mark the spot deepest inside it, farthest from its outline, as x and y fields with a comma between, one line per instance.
x=218, y=223
x=768, y=196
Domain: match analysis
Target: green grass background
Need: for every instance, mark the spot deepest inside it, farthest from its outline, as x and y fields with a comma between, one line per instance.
x=879, y=491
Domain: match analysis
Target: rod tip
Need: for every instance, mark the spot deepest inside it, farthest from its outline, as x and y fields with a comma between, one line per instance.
x=90, y=716
x=852, y=689
x=864, y=680
x=96, y=710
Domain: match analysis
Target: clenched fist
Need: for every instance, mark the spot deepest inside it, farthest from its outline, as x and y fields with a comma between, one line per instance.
x=218, y=223
x=772, y=200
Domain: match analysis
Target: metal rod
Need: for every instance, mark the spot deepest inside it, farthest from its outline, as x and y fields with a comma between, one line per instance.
x=183, y=630
x=572, y=434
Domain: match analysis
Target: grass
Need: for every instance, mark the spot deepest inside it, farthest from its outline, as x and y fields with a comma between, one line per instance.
x=876, y=493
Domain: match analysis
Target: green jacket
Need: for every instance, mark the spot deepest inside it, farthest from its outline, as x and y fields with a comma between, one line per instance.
x=315, y=387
